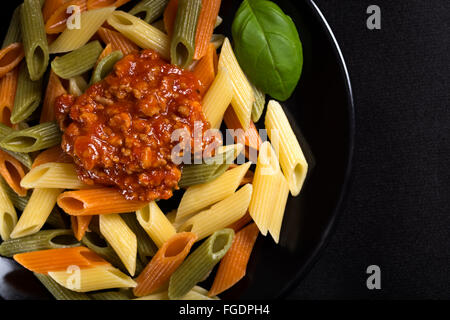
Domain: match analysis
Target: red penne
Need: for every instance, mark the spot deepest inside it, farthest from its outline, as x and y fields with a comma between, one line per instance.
x=53, y=154
x=12, y=171
x=54, y=89
x=8, y=87
x=56, y=23
x=117, y=41
x=205, y=70
x=205, y=26
x=169, y=16
x=10, y=57
x=79, y=225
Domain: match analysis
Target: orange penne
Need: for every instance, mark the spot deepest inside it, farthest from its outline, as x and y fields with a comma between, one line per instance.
x=170, y=13
x=79, y=225
x=117, y=41
x=97, y=201
x=8, y=86
x=12, y=171
x=54, y=154
x=10, y=57
x=242, y=222
x=205, y=69
x=54, y=89
x=96, y=4
x=53, y=260
x=164, y=263
x=233, y=266
x=205, y=26
x=56, y=23
x=50, y=6
x=108, y=49
x=251, y=137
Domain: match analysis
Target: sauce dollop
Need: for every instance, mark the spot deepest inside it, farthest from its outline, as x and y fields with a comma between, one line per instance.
x=119, y=131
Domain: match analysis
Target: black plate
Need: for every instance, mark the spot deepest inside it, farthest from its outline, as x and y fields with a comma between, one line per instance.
x=321, y=112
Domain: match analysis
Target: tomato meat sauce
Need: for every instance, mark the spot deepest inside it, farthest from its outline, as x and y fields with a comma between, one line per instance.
x=119, y=132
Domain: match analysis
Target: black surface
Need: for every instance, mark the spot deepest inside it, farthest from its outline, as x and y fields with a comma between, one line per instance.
x=397, y=213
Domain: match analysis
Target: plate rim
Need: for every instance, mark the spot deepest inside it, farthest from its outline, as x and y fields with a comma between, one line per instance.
x=337, y=211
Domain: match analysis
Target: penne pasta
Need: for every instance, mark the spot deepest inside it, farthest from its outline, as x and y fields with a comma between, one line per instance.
x=110, y=295
x=199, y=263
x=13, y=34
x=36, y=212
x=249, y=137
x=279, y=207
x=170, y=14
x=45, y=261
x=77, y=85
x=38, y=137
x=106, y=51
x=56, y=21
x=143, y=34
x=145, y=246
x=58, y=291
x=51, y=6
x=80, y=225
x=72, y=39
x=42, y=240
x=53, y=154
x=221, y=214
x=91, y=202
x=206, y=24
x=24, y=158
x=56, y=220
x=121, y=239
x=28, y=95
x=93, y=279
x=78, y=61
x=8, y=86
x=202, y=196
x=218, y=98
x=233, y=266
x=117, y=41
x=105, y=66
x=12, y=171
x=53, y=175
x=292, y=160
x=149, y=10
x=18, y=201
x=242, y=222
x=10, y=57
x=8, y=215
x=205, y=69
x=34, y=38
x=164, y=263
x=243, y=96
x=54, y=89
x=217, y=40
x=155, y=223
x=259, y=104
x=182, y=45
x=95, y=4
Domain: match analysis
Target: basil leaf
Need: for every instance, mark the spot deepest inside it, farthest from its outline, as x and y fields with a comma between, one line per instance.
x=268, y=48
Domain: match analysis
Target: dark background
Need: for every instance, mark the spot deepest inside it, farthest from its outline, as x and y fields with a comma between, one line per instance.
x=396, y=214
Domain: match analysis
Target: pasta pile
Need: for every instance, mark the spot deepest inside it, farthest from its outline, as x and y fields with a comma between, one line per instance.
x=132, y=248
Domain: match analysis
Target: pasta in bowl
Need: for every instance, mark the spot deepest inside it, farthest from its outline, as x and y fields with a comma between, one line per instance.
x=135, y=103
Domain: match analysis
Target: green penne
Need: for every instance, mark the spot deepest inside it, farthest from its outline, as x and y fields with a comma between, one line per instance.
x=56, y=220
x=149, y=10
x=28, y=95
x=97, y=244
x=110, y=295
x=17, y=201
x=78, y=61
x=42, y=240
x=77, y=85
x=41, y=136
x=199, y=263
x=105, y=66
x=24, y=158
x=146, y=247
x=182, y=46
x=258, y=105
x=13, y=34
x=193, y=174
x=34, y=38
x=58, y=291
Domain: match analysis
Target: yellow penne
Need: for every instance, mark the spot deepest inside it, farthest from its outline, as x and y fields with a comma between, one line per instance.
x=279, y=206
x=155, y=223
x=218, y=98
x=8, y=215
x=286, y=145
x=243, y=96
x=143, y=34
x=77, y=85
x=53, y=175
x=121, y=238
x=202, y=196
x=220, y=215
x=266, y=186
x=72, y=39
x=92, y=279
x=36, y=212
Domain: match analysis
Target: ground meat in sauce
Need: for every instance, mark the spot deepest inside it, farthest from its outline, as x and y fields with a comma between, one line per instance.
x=119, y=131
